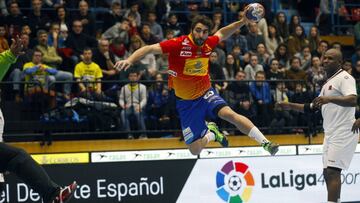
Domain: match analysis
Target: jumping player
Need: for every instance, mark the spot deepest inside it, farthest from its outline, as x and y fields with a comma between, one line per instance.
x=189, y=77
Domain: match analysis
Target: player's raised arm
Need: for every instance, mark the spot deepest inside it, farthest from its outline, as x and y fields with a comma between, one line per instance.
x=227, y=31
x=137, y=55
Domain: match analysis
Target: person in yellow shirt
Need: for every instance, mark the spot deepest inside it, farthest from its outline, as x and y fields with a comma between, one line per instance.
x=88, y=75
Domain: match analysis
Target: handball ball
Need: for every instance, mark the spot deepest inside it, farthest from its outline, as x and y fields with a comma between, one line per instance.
x=255, y=12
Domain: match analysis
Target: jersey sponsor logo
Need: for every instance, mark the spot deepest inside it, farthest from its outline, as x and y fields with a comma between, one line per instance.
x=196, y=66
x=188, y=134
x=186, y=53
x=185, y=42
x=172, y=73
x=186, y=48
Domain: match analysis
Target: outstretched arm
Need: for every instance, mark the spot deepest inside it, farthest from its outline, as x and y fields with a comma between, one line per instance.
x=137, y=55
x=290, y=106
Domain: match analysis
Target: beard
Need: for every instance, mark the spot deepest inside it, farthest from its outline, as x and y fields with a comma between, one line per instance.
x=199, y=41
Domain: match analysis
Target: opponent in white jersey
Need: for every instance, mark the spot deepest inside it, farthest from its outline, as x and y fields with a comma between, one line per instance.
x=337, y=101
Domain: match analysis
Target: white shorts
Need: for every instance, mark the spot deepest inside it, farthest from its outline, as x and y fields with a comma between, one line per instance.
x=339, y=148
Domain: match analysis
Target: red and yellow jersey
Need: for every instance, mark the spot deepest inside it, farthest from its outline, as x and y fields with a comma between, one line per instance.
x=189, y=65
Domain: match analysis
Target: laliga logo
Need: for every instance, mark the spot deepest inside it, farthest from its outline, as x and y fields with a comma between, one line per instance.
x=234, y=182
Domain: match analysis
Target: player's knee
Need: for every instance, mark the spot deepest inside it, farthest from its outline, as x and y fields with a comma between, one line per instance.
x=195, y=151
x=333, y=173
x=20, y=157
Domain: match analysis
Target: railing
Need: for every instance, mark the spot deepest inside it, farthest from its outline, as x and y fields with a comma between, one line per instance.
x=34, y=118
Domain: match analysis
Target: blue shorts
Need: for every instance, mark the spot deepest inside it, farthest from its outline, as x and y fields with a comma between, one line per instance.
x=194, y=112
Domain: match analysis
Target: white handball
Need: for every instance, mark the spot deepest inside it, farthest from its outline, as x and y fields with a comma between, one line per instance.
x=255, y=12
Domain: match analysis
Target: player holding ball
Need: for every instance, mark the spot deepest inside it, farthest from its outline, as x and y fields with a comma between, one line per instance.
x=189, y=77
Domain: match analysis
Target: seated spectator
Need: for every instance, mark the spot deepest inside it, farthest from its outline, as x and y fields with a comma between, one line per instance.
x=356, y=71
x=117, y=47
x=357, y=33
x=294, y=22
x=282, y=55
x=314, y=38
x=230, y=69
x=238, y=90
x=297, y=41
x=253, y=38
x=241, y=59
x=274, y=73
x=272, y=40
x=280, y=119
x=53, y=35
x=158, y=104
x=63, y=18
x=216, y=73
x=155, y=27
x=77, y=41
x=321, y=49
x=253, y=67
x=347, y=66
x=50, y=56
x=4, y=45
x=86, y=18
x=37, y=19
x=39, y=76
x=356, y=56
x=115, y=14
x=316, y=75
x=162, y=65
x=337, y=45
x=295, y=73
x=105, y=59
x=146, y=35
x=305, y=57
x=261, y=94
x=88, y=75
x=217, y=20
x=134, y=10
x=236, y=39
x=263, y=56
x=281, y=25
x=173, y=24
x=132, y=100
x=15, y=19
x=119, y=30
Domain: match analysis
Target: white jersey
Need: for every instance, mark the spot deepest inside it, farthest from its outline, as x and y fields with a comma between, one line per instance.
x=337, y=117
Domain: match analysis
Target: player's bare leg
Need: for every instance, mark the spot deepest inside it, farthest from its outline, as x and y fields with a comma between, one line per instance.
x=247, y=127
x=332, y=178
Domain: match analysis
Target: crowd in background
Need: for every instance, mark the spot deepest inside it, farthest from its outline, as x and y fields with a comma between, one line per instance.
x=67, y=41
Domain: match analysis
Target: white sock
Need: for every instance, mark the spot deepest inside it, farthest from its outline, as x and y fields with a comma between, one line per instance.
x=331, y=202
x=257, y=135
x=210, y=136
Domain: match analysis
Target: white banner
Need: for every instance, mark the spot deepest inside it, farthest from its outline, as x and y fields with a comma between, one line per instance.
x=279, y=179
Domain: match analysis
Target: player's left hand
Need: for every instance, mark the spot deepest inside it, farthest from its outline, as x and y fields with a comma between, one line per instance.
x=122, y=65
x=356, y=126
x=319, y=101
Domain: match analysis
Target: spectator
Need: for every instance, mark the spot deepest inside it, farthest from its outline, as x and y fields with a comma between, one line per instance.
x=356, y=56
x=162, y=65
x=155, y=27
x=86, y=18
x=50, y=56
x=134, y=10
x=236, y=39
x=36, y=19
x=105, y=59
x=119, y=30
x=356, y=71
x=158, y=104
x=220, y=55
x=280, y=119
x=253, y=38
x=15, y=20
x=77, y=40
x=88, y=75
x=263, y=56
x=282, y=55
x=39, y=74
x=169, y=34
x=260, y=91
x=4, y=45
x=297, y=41
x=295, y=72
x=347, y=66
x=216, y=73
x=230, y=69
x=117, y=47
x=305, y=57
x=173, y=24
x=357, y=33
x=273, y=40
x=253, y=67
x=315, y=75
x=238, y=90
x=114, y=15
x=146, y=35
x=274, y=72
x=16, y=73
x=53, y=36
x=132, y=100
x=336, y=45
x=314, y=38
x=63, y=18
x=281, y=25
x=217, y=20
x=322, y=47
x=294, y=22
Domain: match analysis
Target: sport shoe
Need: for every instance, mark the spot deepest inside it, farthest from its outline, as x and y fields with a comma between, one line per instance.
x=65, y=193
x=272, y=148
x=219, y=137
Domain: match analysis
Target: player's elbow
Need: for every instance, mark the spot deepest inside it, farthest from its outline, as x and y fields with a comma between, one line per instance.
x=353, y=100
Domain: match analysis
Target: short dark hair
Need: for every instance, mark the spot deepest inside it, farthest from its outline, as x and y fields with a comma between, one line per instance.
x=40, y=32
x=87, y=49
x=295, y=58
x=203, y=20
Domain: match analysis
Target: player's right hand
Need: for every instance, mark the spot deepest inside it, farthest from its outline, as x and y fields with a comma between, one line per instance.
x=356, y=126
x=122, y=65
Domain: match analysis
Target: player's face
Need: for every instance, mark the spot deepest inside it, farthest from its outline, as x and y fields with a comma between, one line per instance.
x=331, y=62
x=200, y=33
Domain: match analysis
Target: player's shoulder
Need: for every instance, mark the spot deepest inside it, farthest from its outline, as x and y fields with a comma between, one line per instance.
x=344, y=75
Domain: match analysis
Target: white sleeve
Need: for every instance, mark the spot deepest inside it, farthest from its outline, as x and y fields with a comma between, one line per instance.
x=348, y=85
